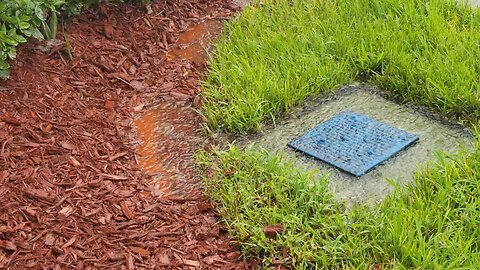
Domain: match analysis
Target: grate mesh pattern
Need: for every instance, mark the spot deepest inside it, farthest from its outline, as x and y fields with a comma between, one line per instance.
x=353, y=142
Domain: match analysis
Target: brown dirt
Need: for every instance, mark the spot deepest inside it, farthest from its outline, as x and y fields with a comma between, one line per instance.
x=74, y=194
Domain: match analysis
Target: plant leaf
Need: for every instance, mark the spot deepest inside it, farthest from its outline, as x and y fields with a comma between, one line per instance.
x=4, y=65
x=53, y=25
x=12, y=53
x=39, y=13
x=4, y=74
x=37, y=34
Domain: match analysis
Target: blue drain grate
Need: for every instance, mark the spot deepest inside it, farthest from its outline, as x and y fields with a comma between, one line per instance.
x=353, y=142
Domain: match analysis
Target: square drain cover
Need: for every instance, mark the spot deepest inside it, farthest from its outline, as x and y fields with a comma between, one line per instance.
x=353, y=142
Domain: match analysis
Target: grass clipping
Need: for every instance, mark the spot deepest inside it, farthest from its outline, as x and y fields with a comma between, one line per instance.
x=432, y=225
x=279, y=52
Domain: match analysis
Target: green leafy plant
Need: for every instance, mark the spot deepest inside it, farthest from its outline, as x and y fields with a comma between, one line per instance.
x=20, y=20
x=50, y=28
x=23, y=19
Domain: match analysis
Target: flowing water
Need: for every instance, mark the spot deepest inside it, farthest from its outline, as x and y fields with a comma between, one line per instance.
x=241, y=3
x=193, y=44
x=434, y=136
x=170, y=133
x=170, y=136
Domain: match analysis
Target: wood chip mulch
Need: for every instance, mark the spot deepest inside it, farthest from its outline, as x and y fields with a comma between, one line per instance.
x=72, y=193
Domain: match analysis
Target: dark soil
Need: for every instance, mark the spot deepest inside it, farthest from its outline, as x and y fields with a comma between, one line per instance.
x=73, y=191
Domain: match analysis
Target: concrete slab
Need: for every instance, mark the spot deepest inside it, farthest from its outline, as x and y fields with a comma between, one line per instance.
x=434, y=135
x=474, y=3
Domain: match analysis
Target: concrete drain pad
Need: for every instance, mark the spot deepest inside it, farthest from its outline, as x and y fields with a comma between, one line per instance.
x=353, y=142
x=433, y=132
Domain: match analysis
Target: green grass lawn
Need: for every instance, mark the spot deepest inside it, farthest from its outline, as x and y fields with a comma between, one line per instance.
x=277, y=54
x=433, y=224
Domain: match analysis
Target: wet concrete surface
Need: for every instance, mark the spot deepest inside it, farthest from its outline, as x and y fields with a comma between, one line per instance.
x=434, y=135
x=474, y=3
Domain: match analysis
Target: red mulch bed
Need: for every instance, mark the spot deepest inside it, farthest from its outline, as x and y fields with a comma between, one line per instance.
x=72, y=194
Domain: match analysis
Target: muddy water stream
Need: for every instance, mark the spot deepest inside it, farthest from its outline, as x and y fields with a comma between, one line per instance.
x=169, y=137
x=193, y=44
x=170, y=132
